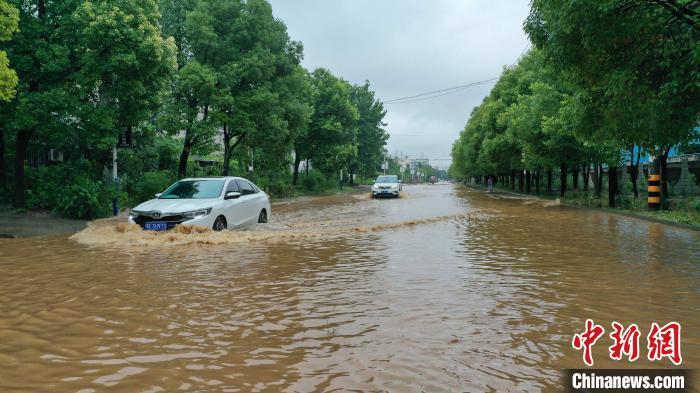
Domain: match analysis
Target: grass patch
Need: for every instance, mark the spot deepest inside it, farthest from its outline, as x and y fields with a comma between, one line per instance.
x=681, y=210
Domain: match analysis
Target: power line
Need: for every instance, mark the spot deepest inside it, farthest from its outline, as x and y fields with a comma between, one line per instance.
x=527, y=48
x=435, y=94
x=438, y=134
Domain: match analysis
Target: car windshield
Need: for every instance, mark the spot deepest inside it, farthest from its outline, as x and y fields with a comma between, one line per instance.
x=387, y=179
x=194, y=189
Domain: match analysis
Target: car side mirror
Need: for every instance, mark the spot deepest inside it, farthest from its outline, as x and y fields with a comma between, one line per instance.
x=374, y=181
x=159, y=194
x=400, y=181
x=232, y=195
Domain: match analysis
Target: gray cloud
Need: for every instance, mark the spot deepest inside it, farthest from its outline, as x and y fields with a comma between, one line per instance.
x=408, y=47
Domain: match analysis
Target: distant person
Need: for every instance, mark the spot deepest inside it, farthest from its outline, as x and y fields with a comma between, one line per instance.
x=490, y=182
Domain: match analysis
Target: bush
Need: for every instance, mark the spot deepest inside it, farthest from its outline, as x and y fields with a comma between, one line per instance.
x=695, y=204
x=629, y=202
x=69, y=190
x=278, y=188
x=150, y=184
x=316, y=181
x=85, y=199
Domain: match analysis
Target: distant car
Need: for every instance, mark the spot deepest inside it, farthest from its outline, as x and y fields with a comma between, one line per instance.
x=433, y=179
x=212, y=202
x=386, y=186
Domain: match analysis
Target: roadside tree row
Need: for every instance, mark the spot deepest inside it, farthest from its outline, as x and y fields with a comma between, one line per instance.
x=206, y=87
x=605, y=80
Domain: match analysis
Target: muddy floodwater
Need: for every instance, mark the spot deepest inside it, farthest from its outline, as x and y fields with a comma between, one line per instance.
x=442, y=290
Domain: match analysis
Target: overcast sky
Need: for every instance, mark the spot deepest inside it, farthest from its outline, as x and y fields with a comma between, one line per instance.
x=409, y=47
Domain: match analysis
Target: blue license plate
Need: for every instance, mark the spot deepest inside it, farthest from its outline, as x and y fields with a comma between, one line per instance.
x=156, y=226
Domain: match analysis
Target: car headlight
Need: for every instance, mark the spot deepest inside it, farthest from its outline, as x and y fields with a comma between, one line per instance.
x=197, y=213
x=134, y=213
x=394, y=187
x=375, y=187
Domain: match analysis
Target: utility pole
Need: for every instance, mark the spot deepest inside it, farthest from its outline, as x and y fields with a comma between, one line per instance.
x=115, y=180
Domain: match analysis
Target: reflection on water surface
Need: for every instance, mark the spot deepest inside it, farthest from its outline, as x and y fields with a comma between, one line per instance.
x=442, y=290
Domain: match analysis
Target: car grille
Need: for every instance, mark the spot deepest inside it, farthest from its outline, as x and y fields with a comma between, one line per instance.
x=385, y=187
x=170, y=220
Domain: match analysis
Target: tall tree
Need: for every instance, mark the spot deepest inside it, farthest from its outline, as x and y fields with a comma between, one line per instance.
x=371, y=135
x=253, y=65
x=9, y=17
x=126, y=63
x=639, y=59
x=186, y=112
x=44, y=59
x=86, y=69
x=331, y=140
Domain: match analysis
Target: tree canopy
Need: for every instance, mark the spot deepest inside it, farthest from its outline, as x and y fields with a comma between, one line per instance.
x=217, y=82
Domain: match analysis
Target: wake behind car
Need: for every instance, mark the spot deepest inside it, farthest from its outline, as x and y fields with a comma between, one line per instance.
x=386, y=186
x=212, y=202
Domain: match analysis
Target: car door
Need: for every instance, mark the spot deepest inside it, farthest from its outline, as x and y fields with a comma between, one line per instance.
x=248, y=207
x=235, y=212
x=259, y=201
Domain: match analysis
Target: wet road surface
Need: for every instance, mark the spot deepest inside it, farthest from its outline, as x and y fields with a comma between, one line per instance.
x=444, y=289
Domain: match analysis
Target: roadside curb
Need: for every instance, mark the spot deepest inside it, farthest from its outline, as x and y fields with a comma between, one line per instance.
x=598, y=209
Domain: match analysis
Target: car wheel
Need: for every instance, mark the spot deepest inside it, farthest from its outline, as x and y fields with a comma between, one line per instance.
x=262, y=218
x=219, y=224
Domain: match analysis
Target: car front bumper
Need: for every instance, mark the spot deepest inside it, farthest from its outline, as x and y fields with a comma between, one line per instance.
x=380, y=193
x=205, y=221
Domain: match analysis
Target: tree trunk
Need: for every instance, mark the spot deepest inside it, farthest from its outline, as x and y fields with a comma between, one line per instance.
x=528, y=180
x=612, y=185
x=562, y=179
x=586, y=176
x=521, y=181
x=307, y=169
x=2, y=159
x=184, y=155
x=227, y=150
x=663, y=160
x=537, y=181
x=575, y=176
x=21, y=146
x=549, y=181
x=512, y=179
x=297, y=162
x=634, y=172
x=599, y=180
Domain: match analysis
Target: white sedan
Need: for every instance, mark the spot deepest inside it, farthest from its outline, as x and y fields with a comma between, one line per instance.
x=212, y=202
x=386, y=186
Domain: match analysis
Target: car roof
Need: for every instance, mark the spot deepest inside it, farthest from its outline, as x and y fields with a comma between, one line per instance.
x=213, y=178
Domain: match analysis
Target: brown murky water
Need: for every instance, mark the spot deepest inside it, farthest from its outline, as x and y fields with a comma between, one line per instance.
x=444, y=289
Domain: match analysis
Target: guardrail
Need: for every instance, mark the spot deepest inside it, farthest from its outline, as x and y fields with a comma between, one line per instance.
x=689, y=157
x=674, y=159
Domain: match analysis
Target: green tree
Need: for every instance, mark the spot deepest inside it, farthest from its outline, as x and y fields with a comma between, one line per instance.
x=331, y=139
x=371, y=135
x=248, y=70
x=43, y=58
x=187, y=112
x=639, y=60
x=125, y=63
x=87, y=69
x=9, y=17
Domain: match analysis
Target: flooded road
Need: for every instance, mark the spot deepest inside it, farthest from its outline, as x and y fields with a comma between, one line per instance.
x=445, y=289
